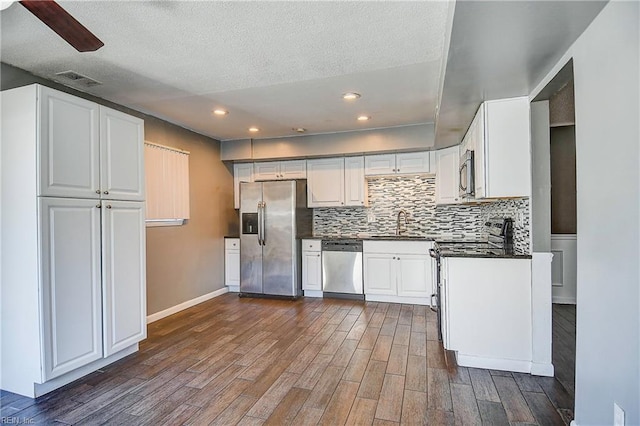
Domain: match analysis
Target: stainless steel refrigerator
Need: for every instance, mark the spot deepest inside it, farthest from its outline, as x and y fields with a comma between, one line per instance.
x=273, y=218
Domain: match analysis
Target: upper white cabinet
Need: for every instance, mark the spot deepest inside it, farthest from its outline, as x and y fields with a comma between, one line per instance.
x=121, y=156
x=336, y=182
x=87, y=150
x=390, y=164
x=275, y=170
x=447, y=175
x=500, y=137
x=325, y=182
x=355, y=186
x=242, y=172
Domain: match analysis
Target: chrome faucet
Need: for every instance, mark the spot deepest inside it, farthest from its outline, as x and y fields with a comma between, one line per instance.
x=404, y=216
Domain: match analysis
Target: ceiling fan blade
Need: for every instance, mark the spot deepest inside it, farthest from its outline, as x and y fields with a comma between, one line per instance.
x=65, y=25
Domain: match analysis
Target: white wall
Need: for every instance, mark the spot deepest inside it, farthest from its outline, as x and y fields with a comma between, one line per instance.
x=606, y=68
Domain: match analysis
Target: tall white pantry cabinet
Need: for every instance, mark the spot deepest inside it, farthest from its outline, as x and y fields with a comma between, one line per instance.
x=73, y=291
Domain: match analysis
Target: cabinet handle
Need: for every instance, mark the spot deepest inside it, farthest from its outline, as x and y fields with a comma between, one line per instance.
x=108, y=206
x=97, y=191
x=106, y=192
x=98, y=206
x=394, y=258
x=398, y=258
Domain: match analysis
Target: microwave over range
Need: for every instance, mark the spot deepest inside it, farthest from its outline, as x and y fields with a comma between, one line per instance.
x=467, y=175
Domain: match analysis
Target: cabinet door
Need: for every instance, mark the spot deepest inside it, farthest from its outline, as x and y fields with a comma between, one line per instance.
x=413, y=162
x=123, y=274
x=241, y=173
x=382, y=164
x=477, y=140
x=414, y=275
x=266, y=171
x=232, y=268
x=71, y=291
x=69, y=155
x=295, y=169
x=447, y=176
x=355, y=186
x=311, y=270
x=325, y=182
x=380, y=274
x=121, y=156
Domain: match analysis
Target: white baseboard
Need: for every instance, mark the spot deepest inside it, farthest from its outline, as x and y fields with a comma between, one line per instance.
x=564, y=300
x=545, y=370
x=313, y=293
x=397, y=299
x=493, y=363
x=184, y=305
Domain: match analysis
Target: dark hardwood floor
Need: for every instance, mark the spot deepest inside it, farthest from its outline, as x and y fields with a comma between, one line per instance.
x=257, y=361
x=564, y=345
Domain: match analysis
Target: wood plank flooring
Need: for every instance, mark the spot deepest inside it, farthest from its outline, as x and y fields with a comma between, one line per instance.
x=331, y=362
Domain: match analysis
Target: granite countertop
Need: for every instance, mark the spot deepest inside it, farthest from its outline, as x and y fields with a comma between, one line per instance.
x=366, y=237
x=475, y=250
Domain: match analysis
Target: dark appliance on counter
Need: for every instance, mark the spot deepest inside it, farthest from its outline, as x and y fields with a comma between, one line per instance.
x=273, y=218
x=467, y=175
x=500, y=231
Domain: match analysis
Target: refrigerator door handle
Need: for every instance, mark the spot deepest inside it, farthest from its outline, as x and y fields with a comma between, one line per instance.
x=260, y=223
x=263, y=224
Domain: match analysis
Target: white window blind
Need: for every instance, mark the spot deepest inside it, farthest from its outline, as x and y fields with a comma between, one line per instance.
x=167, y=179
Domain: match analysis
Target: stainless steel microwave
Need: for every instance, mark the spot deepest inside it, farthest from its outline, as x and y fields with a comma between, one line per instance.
x=467, y=175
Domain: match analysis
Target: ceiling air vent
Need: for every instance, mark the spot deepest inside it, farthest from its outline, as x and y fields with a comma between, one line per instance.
x=77, y=79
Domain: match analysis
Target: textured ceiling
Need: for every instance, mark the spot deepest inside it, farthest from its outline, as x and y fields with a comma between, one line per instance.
x=274, y=65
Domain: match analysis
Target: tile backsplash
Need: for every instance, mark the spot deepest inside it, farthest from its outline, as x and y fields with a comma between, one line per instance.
x=416, y=195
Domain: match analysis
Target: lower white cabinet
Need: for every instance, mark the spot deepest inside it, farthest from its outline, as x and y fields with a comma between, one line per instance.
x=311, y=268
x=478, y=296
x=397, y=271
x=71, y=284
x=232, y=264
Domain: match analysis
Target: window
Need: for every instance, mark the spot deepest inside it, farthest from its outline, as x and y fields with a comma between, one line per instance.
x=167, y=180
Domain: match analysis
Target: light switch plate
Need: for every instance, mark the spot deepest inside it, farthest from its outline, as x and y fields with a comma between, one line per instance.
x=618, y=415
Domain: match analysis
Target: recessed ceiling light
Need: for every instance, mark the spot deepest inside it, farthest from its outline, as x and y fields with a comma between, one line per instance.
x=363, y=118
x=220, y=112
x=299, y=129
x=349, y=96
x=254, y=129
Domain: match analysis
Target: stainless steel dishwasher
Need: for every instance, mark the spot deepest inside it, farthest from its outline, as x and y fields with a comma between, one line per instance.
x=342, y=268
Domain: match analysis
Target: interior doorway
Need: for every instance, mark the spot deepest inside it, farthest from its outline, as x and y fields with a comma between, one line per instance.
x=554, y=214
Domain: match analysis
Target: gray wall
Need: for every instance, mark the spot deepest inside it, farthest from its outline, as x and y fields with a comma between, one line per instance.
x=541, y=178
x=607, y=74
x=187, y=261
x=403, y=138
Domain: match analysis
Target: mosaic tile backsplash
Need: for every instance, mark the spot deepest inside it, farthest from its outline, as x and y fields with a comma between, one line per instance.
x=416, y=195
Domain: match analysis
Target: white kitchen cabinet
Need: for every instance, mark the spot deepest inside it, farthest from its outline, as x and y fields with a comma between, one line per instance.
x=391, y=164
x=242, y=172
x=325, y=182
x=478, y=294
x=232, y=264
x=397, y=271
x=121, y=156
x=312, y=268
x=71, y=284
x=69, y=144
x=88, y=150
x=500, y=136
x=278, y=170
x=73, y=268
x=447, y=176
x=355, y=185
x=123, y=275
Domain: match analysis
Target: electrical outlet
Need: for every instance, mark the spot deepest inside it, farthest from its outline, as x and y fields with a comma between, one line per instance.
x=618, y=415
x=371, y=217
